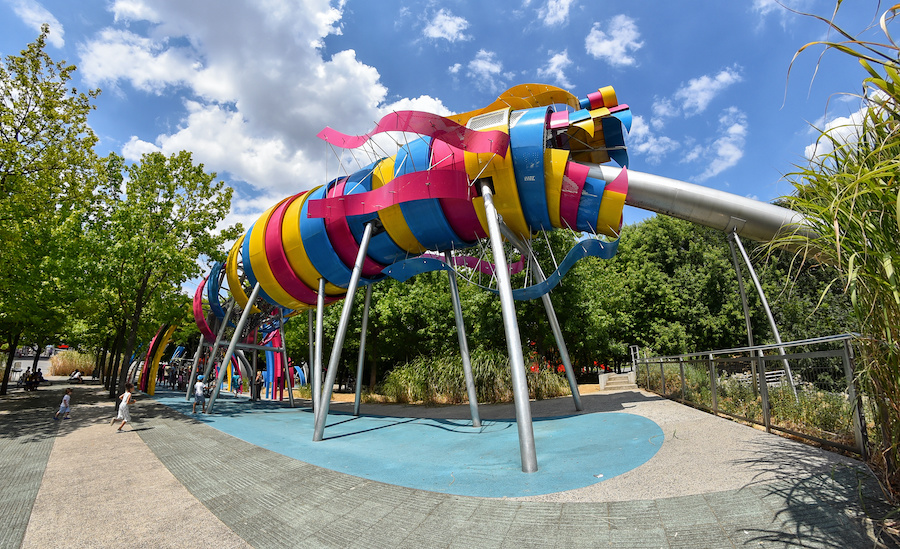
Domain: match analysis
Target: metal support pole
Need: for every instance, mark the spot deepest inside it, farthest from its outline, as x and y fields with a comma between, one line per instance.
x=713, y=384
x=331, y=374
x=740, y=279
x=312, y=347
x=681, y=367
x=859, y=425
x=287, y=367
x=362, y=350
x=765, y=304
x=551, y=315
x=226, y=362
x=220, y=338
x=317, y=368
x=513, y=340
x=214, y=349
x=764, y=391
x=194, y=365
x=463, y=344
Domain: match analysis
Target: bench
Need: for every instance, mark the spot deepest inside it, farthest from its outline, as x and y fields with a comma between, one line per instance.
x=774, y=378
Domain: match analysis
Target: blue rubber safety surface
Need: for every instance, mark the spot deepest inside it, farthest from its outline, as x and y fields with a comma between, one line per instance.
x=443, y=455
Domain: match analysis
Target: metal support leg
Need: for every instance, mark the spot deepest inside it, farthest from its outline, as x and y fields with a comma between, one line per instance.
x=226, y=362
x=463, y=345
x=765, y=304
x=220, y=337
x=194, y=365
x=740, y=278
x=317, y=369
x=215, y=348
x=284, y=357
x=362, y=350
x=322, y=414
x=551, y=315
x=312, y=346
x=513, y=340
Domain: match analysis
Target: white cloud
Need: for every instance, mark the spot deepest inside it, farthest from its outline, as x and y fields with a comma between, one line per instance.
x=447, y=26
x=555, y=12
x=133, y=10
x=843, y=130
x=454, y=68
x=698, y=93
x=728, y=148
x=256, y=86
x=617, y=43
x=555, y=69
x=643, y=141
x=148, y=65
x=486, y=71
x=34, y=15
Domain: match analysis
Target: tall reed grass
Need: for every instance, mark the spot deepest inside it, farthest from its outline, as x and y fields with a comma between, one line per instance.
x=440, y=380
x=66, y=362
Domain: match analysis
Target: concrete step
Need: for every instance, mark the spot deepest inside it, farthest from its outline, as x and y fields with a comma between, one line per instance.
x=618, y=382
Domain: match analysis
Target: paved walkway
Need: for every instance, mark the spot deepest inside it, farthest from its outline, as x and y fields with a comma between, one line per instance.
x=176, y=482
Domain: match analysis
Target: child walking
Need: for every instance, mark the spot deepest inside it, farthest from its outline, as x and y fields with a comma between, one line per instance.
x=123, y=414
x=64, y=405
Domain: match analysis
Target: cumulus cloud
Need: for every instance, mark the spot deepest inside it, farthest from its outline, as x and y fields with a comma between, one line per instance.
x=843, y=130
x=555, y=69
x=698, y=93
x=486, y=71
x=35, y=15
x=644, y=141
x=728, y=147
x=249, y=112
x=617, y=44
x=447, y=26
x=555, y=12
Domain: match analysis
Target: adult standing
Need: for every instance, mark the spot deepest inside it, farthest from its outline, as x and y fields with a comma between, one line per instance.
x=257, y=385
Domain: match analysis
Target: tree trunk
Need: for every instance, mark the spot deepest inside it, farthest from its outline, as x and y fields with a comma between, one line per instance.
x=132, y=334
x=9, y=362
x=116, y=356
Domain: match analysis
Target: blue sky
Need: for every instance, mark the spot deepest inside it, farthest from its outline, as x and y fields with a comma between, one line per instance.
x=246, y=85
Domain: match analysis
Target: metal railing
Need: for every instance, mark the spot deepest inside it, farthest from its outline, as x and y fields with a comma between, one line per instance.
x=815, y=398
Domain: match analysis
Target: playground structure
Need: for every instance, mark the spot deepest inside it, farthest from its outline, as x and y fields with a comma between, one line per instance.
x=528, y=163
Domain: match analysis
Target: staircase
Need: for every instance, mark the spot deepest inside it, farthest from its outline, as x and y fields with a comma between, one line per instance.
x=618, y=382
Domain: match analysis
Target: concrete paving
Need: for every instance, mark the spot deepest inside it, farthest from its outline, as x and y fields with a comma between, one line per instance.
x=174, y=481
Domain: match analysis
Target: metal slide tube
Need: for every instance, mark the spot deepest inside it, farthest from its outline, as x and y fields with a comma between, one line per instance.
x=750, y=218
x=551, y=316
x=226, y=362
x=362, y=350
x=765, y=304
x=463, y=344
x=317, y=369
x=513, y=340
x=331, y=374
x=194, y=365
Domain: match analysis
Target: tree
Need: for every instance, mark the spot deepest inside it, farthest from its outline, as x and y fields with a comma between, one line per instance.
x=46, y=163
x=157, y=219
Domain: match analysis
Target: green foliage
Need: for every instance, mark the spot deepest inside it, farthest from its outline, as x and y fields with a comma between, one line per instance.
x=47, y=164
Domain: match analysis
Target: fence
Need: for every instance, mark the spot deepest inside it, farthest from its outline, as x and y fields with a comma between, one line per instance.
x=801, y=388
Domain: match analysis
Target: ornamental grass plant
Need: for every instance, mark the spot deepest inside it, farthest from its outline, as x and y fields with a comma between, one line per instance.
x=849, y=193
